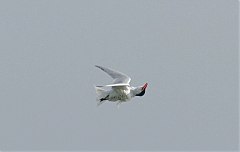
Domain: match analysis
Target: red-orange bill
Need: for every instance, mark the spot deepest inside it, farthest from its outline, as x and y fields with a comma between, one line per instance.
x=145, y=86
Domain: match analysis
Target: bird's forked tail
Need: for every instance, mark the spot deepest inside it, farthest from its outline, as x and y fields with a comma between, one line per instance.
x=101, y=95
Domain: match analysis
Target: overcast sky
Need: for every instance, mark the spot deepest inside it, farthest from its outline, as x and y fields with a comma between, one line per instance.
x=186, y=50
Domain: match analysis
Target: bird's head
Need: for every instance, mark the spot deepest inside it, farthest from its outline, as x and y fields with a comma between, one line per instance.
x=140, y=91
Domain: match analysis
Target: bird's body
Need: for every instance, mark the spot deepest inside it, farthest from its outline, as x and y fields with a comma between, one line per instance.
x=121, y=91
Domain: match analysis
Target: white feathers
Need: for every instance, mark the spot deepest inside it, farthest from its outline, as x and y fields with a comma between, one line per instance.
x=118, y=77
x=121, y=91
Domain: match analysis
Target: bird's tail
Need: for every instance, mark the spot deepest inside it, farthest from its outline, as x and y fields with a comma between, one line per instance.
x=101, y=94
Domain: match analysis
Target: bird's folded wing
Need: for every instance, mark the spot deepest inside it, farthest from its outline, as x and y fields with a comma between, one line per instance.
x=117, y=85
x=119, y=78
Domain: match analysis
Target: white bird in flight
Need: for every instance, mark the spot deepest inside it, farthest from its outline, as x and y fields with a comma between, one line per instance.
x=120, y=91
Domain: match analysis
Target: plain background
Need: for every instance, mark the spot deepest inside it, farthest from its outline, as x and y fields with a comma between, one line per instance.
x=186, y=50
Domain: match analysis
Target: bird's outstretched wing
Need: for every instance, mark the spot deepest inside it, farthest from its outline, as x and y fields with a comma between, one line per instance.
x=116, y=85
x=118, y=77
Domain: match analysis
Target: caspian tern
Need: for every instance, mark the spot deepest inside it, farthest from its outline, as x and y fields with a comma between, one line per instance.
x=120, y=91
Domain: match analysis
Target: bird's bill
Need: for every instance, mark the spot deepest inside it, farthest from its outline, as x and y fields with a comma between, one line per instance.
x=145, y=86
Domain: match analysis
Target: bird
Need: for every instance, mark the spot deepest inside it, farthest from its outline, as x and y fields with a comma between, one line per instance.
x=120, y=90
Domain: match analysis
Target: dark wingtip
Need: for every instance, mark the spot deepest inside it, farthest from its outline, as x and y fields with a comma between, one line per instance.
x=98, y=66
x=99, y=86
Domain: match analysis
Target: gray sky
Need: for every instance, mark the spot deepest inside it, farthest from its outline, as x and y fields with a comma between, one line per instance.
x=186, y=50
